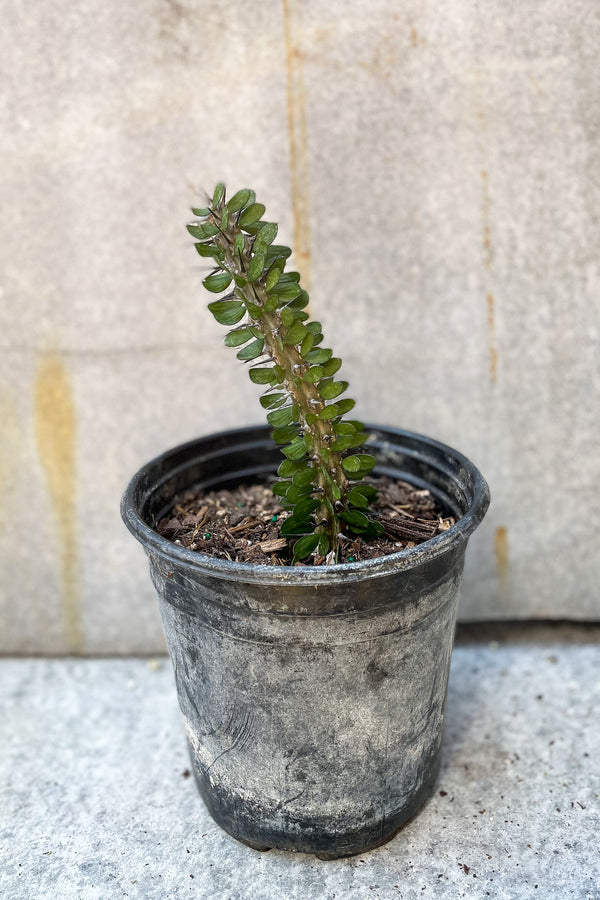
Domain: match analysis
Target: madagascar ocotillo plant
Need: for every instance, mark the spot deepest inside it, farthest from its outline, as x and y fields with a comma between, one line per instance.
x=320, y=479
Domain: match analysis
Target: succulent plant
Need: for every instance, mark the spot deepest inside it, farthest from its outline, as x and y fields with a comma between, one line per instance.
x=321, y=476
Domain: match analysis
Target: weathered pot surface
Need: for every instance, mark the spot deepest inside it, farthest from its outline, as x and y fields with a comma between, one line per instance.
x=313, y=697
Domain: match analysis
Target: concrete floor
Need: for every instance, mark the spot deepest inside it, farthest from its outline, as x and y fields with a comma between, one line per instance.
x=96, y=802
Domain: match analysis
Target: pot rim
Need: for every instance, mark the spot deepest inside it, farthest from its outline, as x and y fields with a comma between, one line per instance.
x=309, y=575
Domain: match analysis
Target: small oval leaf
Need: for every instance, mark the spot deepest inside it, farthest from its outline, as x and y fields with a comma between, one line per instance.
x=218, y=195
x=332, y=365
x=239, y=200
x=217, y=282
x=255, y=269
x=281, y=417
x=227, y=312
x=203, y=231
x=253, y=350
x=237, y=337
x=207, y=250
x=304, y=546
x=331, y=389
x=251, y=214
x=329, y=412
x=262, y=375
x=295, y=333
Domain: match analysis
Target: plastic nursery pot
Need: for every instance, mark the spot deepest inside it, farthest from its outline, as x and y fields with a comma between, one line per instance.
x=313, y=697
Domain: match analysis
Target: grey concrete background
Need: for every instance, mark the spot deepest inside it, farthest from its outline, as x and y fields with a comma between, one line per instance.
x=435, y=167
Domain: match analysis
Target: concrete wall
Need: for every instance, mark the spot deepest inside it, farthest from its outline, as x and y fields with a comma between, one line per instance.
x=436, y=168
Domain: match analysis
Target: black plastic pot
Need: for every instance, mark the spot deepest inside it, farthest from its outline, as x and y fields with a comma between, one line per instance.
x=313, y=697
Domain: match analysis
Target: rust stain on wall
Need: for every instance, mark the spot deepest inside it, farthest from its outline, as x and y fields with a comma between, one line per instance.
x=487, y=262
x=501, y=554
x=487, y=244
x=55, y=428
x=298, y=139
x=10, y=440
x=493, y=352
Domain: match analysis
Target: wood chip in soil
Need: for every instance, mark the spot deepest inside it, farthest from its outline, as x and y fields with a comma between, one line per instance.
x=242, y=524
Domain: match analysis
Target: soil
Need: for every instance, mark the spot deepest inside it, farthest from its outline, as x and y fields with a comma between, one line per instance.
x=242, y=523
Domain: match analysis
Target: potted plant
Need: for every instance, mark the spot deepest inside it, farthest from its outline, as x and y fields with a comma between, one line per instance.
x=313, y=689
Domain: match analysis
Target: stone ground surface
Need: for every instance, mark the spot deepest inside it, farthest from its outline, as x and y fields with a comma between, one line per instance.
x=95, y=804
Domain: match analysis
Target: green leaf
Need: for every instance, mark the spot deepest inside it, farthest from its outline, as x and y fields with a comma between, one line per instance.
x=340, y=444
x=354, y=518
x=273, y=275
x=294, y=526
x=275, y=251
x=286, y=291
x=251, y=214
x=254, y=310
x=218, y=195
x=318, y=356
x=356, y=498
x=323, y=548
x=281, y=417
x=367, y=490
x=357, y=440
x=239, y=244
x=332, y=366
x=296, y=493
x=345, y=405
x=358, y=462
x=252, y=350
x=255, y=269
x=331, y=389
x=270, y=304
x=329, y=412
x=295, y=333
x=344, y=428
x=301, y=300
x=304, y=476
x=304, y=546
x=267, y=233
x=227, y=312
x=201, y=213
x=306, y=507
x=314, y=327
x=314, y=374
x=270, y=401
x=239, y=200
x=262, y=375
x=203, y=231
x=279, y=374
x=206, y=250
x=307, y=343
x=217, y=282
x=283, y=435
x=287, y=316
x=288, y=466
x=239, y=336
x=280, y=488
x=295, y=449
x=335, y=490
